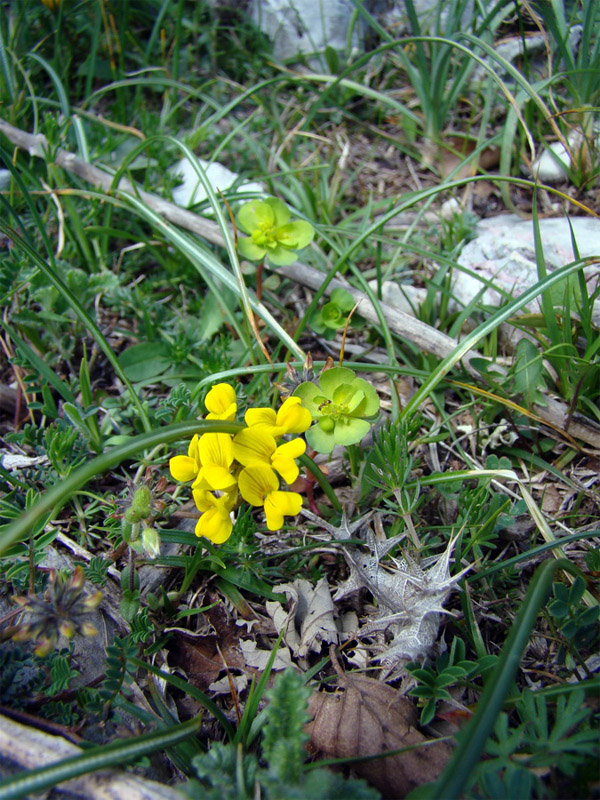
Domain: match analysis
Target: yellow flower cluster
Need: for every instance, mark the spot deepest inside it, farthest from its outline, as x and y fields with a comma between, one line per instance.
x=222, y=466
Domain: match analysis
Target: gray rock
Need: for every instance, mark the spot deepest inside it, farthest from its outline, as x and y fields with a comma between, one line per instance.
x=192, y=191
x=513, y=49
x=24, y=748
x=504, y=253
x=301, y=27
x=392, y=13
x=553, y=164
x=401, y=296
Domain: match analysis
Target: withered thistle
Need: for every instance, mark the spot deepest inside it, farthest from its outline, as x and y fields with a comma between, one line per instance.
x=59, y=612
x=293, y=378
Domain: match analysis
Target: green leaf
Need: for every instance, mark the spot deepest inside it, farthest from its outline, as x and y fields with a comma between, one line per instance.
x=281, y=212
x=254, y=214
x=371, y=404
x=350, y=431
x=284, y=736
x=145, y=361
x=528, y=372
x=297, y=234
x=248, y=249
x=281, y=256
x=330, y=379
x=308, y=393
x=332, y=316
x=320, y=440
x=342, y=298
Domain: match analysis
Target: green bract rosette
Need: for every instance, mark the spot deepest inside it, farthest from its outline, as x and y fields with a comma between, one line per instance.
x=271, y=233
x=343, y=406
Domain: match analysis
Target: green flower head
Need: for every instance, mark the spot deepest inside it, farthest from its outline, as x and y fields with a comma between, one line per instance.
x=271, y=234
x=343, y=406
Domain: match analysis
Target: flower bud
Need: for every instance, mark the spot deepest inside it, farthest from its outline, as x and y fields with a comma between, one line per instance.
x=67, y=628
x=131, y=517
x=46, y=644
x=141, y=502
x=87, y=629
x=93, y=601
x=151, y=542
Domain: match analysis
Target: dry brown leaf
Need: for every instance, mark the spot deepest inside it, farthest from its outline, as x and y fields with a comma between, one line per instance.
x=203, y=657
x=552, y=499
x=367, y=717
x=258, y=659
x=309, y=621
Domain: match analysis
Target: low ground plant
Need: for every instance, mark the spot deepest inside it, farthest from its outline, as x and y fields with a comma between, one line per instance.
x=237, y=508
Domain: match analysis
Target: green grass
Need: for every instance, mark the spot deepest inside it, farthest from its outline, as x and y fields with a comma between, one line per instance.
x=118, y=317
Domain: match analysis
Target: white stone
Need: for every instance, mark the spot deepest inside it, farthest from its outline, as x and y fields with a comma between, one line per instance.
x=553, y=164
x=504, y=254
x=401, y=296
x=450, y=208
x=306, y=26
x=393, y=15
x=191, y=191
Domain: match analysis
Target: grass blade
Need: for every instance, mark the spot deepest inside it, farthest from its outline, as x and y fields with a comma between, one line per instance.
x=57, y=496
x=46, y=269
x=114, y=754
x=474, y=736
x=483, y=330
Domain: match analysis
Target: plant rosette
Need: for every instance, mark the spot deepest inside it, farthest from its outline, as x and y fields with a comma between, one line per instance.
x=343, y=406
x=271, y=233
x=333, y=315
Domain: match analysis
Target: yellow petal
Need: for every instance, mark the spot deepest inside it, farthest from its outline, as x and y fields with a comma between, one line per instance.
x=286, y=467
x=221, y=402
x=293, y=417
x=183, y=468
x=67, y=628
x=193, y=448
x=280, y=504
x=256, y=482
x=252, y=445
x=282, y=459
x=216, y=448
x=215, y=525
x=293, y=449
x=205, y=499
x=216, y=477
x=260, y=416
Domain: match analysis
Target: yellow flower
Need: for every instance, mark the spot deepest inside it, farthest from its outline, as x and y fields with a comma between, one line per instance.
x=216, y=454
x=215, y=522
x=292, y=417
x=256, y=446
x=221, y=402
x=186, y=468
x=259, y=486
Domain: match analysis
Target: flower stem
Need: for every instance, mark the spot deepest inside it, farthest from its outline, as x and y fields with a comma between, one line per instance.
x=259, y=275
x=354, y=458
x=320, y=478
